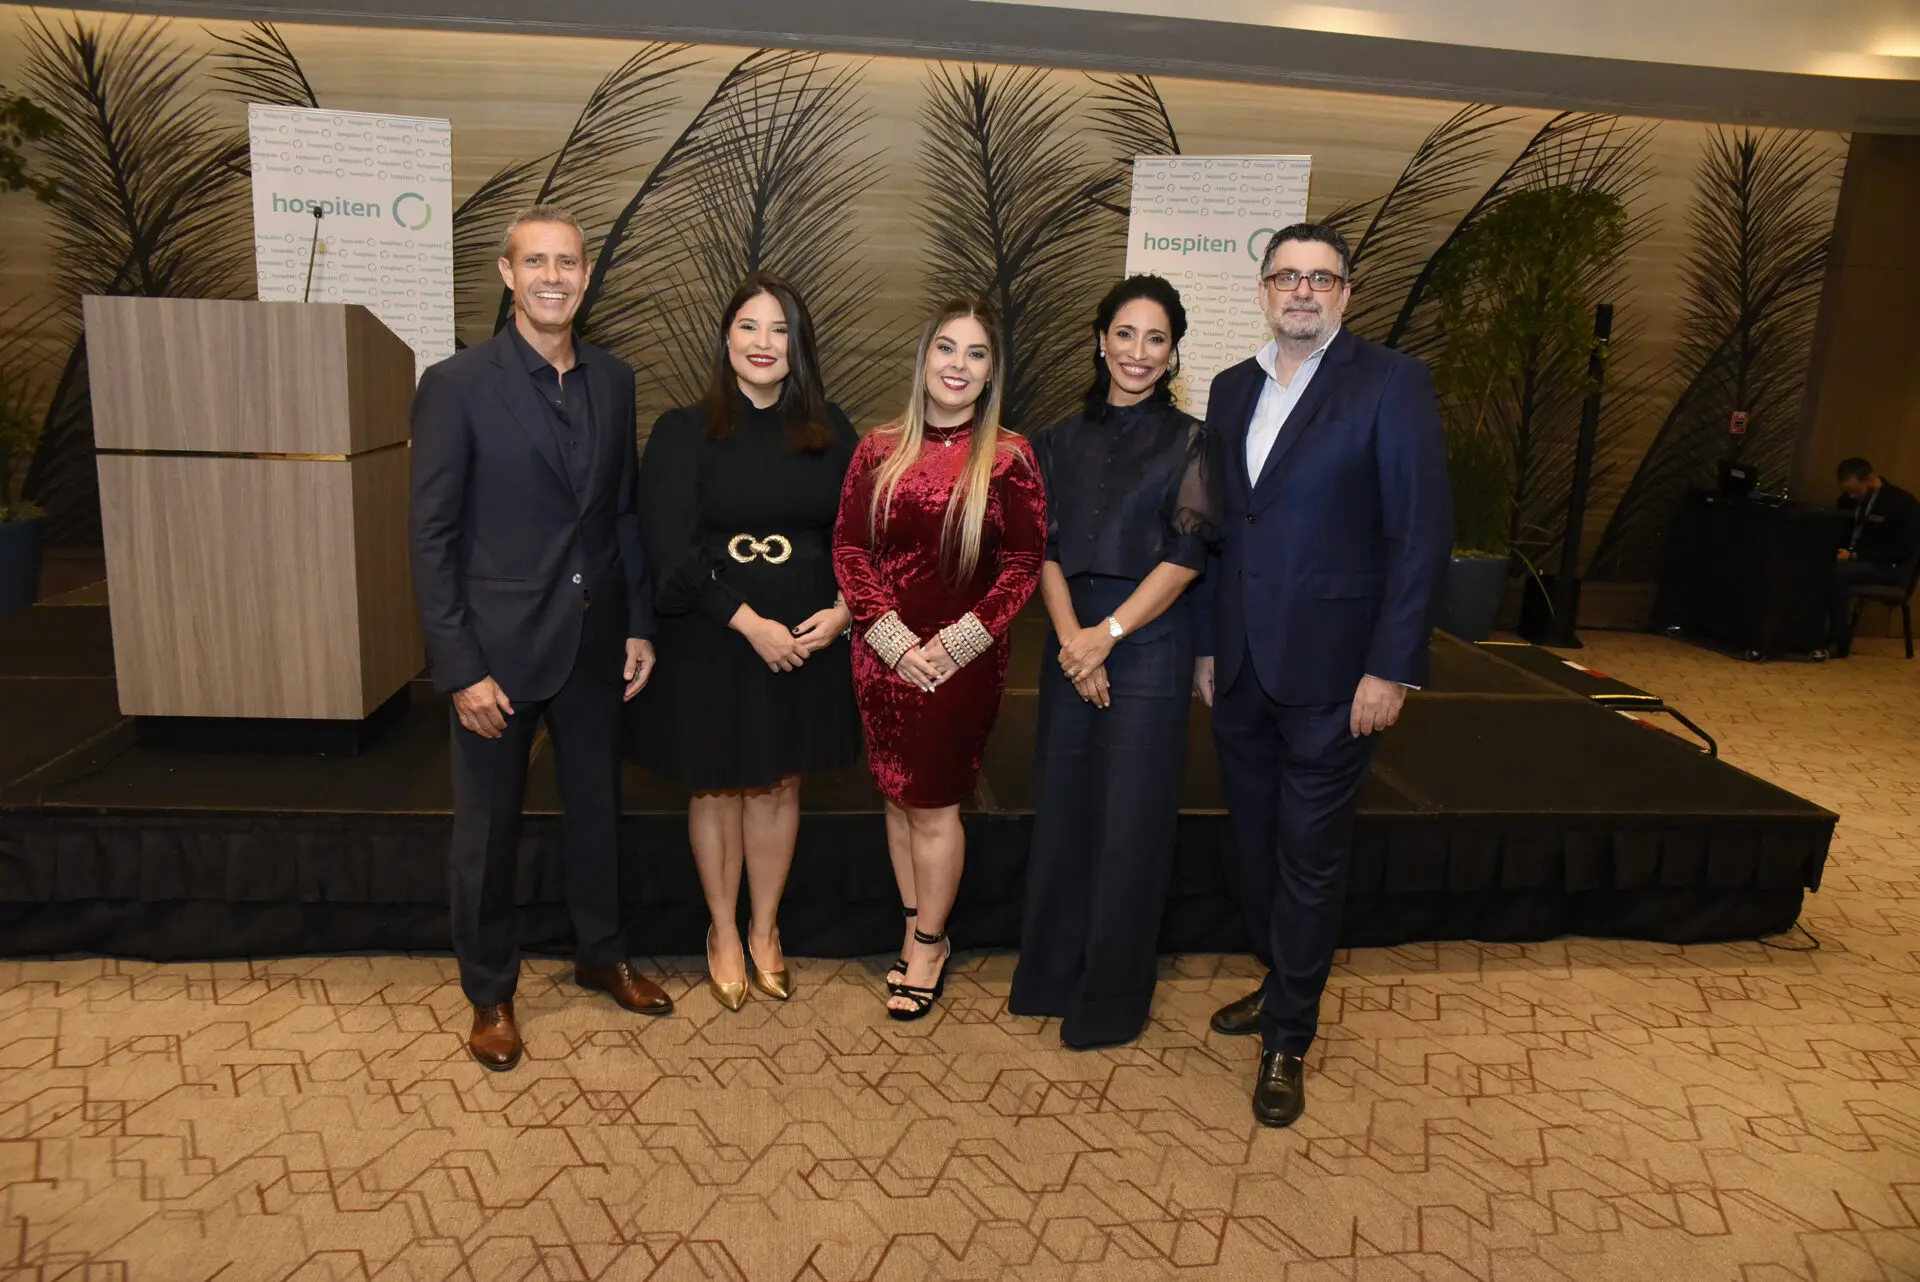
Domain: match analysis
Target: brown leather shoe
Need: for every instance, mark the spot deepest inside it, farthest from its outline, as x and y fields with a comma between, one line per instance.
x=495, y=1039
x=634, y=991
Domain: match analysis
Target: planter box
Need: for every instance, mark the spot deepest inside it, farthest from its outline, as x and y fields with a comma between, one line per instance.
x=19, y=563
x=1471, y=595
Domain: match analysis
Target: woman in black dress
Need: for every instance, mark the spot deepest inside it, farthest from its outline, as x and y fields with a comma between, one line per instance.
x=737, y=502
x=1129, y=517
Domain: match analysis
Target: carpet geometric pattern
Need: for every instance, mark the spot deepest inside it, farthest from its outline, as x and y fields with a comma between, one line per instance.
x=1580, y=1109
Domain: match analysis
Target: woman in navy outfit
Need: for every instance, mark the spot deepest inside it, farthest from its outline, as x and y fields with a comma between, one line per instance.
x=1130, y=514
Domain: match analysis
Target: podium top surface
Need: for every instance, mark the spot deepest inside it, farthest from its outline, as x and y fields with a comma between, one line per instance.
x=226, y=376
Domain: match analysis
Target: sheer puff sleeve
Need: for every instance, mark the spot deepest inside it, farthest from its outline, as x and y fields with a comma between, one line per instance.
x=1193, y=508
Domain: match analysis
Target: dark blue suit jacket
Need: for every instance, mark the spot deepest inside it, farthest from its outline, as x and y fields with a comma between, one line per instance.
x=1331, y=556
x=503, y=545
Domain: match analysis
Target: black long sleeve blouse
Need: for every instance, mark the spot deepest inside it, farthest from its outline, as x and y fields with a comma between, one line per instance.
x=696, y=493
x=1127, y=491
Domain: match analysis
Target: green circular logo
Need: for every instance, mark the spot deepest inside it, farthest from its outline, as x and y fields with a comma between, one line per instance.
x=1258, y=242
x=425, y=212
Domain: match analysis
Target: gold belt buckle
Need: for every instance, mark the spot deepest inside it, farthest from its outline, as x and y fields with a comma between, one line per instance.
x=762, y=548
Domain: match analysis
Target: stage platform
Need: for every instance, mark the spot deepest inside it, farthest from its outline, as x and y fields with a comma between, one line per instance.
x=1503, y=808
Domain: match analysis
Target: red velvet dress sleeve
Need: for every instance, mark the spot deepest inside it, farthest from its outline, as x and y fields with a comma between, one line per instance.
x=1023, y=542
x=1018, y=510
x=871, y=599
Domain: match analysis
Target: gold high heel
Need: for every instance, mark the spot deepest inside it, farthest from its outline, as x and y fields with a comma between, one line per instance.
x=775, y=983
x=732, y=994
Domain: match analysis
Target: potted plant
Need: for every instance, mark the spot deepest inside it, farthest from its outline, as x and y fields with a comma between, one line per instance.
x=1513, y=326
x=1482, y=541
x=19, y=520
x=22, y=123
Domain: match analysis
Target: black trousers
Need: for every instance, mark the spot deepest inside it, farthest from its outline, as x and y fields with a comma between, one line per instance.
x=1292, y=778
x=489, y=783
x=1103, y=828
x=1847, y=575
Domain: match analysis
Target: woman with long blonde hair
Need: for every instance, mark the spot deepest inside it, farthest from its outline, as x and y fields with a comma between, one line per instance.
x=941, y=533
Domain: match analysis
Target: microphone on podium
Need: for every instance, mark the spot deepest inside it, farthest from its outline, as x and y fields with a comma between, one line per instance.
x=312, y=247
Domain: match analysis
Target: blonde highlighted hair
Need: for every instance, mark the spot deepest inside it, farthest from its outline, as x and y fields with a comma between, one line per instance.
x=963, y=531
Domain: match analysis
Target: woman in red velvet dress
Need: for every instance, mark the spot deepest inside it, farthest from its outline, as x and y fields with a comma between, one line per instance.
x=942, y=529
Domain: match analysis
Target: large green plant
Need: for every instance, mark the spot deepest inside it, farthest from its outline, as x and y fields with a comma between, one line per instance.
x=1516, y=293
x=23, y=123
x=1481, y=476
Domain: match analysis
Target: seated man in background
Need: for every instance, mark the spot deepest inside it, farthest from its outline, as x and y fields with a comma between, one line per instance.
x=1882, y=545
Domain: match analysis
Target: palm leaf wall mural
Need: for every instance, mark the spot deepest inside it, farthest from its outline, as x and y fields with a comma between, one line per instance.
x=1134, y=118
x=259, y=66
x=1009, y=215
x=770, y=183
x=621, y=116
x=1395, y=235
x=478, y=220
x=20, y=389
x=1760, y=223
x=152, y=201
x=627, y=265
x=1591, y=148
x=767, y=176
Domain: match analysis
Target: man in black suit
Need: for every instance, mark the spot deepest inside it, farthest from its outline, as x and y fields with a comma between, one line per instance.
x=537, y=607
x=1338, y=522
x=1881, y=545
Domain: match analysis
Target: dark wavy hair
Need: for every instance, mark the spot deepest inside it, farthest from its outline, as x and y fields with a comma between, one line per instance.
x=1314, y=234
x=803, y=401
x=1156, y=289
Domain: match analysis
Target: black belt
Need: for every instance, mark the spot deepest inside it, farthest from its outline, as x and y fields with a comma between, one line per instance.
x=773, y=548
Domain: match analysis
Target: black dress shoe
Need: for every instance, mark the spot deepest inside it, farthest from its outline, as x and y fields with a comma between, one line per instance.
x=1280, y=1092
x=1238, y=1018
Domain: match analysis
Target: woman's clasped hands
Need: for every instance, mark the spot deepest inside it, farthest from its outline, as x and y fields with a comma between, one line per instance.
x=926, y=666
x=1083, y=658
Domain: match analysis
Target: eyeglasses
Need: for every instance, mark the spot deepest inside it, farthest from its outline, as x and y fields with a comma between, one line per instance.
x=1286, y=280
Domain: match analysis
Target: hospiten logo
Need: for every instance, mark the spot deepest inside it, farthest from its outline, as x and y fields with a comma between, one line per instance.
x=1184, y=245
x=409, y=206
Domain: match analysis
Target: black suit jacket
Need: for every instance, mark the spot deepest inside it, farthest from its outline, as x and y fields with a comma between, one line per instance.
x=503, y=547
x=1330, y=558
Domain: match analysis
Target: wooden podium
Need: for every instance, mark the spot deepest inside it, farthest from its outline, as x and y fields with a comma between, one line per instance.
x=253, y=466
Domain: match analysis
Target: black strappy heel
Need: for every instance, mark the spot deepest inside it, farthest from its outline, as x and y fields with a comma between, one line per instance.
x=922, y=998
x=900, y=963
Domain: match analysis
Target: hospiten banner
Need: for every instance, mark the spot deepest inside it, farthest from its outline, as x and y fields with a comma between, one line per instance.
x=384, y=188
x=1202, y=222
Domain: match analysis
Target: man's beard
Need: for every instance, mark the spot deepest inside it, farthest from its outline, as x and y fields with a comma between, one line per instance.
x=1301, y=325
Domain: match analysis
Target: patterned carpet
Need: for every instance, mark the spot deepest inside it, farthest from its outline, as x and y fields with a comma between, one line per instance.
x=1574, y=1110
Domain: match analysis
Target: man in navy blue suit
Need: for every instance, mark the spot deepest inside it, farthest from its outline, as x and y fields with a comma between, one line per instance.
x=1315, y=621
x=538, y=609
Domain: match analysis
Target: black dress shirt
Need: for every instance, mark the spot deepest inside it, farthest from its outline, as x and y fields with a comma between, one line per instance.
x=1886, y=526
x=571, y=405
x=1127, y=491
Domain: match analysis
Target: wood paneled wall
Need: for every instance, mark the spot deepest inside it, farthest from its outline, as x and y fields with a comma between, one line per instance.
x=1864, y=396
